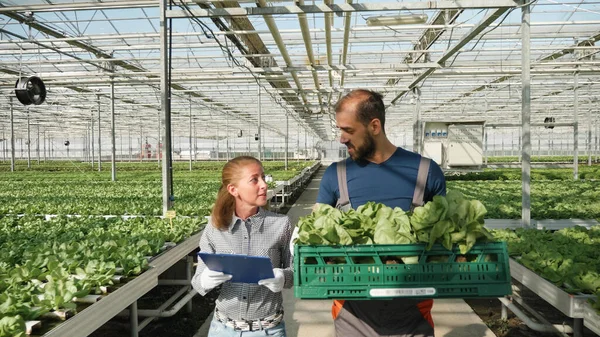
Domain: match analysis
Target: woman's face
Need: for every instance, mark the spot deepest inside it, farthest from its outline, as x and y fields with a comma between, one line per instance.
x=251, y=189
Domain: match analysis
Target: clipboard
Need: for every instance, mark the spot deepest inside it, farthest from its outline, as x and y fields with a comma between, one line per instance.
x=243, y=268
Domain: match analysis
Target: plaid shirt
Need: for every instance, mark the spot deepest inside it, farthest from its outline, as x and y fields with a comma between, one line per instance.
x=269, y=236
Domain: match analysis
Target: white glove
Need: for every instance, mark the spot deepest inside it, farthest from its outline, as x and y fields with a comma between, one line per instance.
x=276, y=283
x=295, y=235
x=211, y=279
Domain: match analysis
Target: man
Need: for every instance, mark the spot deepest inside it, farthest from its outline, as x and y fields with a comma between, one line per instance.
x=377, y=171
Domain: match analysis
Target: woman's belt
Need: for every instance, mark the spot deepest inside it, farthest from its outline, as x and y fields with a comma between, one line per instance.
x=250, y=325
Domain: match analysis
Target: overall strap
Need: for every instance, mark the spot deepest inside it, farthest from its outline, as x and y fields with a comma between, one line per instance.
x=343, y=202
x=421, y=182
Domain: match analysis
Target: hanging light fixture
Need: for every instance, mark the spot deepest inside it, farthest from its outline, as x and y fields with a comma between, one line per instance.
x=406, y=19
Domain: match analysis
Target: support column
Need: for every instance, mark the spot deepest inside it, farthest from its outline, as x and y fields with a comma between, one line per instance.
x=92, y=140
x=195, y=140
x=165, y=97
x=589, y=137
x=512, y=142
x=419, y=141
x=129, y=144
x=28, y=142
x=190, y=133
x=485, y=148
x=520, y=157
x=86, y=137
x=596, y=141
x=526, y=116
x=485, y=133
x=158, y=143
x=37, y=145
x=44, y=145
x=12, y=137
x=305, y=144
x=227, y=134
x=99, y=139
x=576, y=127
x=287, y=135
x=259, y=125
x=113, y=158
x=142, y=149
x=550, y=148
x=121, y=143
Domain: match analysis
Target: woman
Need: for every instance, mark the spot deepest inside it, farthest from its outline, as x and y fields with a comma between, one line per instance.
x=240, y=225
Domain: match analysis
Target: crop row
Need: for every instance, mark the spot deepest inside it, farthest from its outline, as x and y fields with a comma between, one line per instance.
x=45, y=265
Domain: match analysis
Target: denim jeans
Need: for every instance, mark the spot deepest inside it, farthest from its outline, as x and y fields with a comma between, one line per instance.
x=218, y=329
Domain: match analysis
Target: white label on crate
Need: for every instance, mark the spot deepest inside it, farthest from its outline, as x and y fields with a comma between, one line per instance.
x=388, y=292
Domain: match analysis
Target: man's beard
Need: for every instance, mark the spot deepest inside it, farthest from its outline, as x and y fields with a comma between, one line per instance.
x=365, y=151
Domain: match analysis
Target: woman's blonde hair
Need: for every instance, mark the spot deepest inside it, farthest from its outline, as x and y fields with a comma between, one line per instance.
x=222, y=212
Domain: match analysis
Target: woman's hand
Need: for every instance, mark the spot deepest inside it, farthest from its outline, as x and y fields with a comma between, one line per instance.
x=211, y=279
x=276, y=283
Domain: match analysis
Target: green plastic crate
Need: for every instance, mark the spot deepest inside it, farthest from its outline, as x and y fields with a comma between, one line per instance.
x=360, y=272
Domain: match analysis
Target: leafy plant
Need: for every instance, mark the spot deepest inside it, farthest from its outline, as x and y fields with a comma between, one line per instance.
x=447, y=220
x=12, y=326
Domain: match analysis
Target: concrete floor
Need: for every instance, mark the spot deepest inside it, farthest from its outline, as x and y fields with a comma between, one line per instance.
x=312, y=318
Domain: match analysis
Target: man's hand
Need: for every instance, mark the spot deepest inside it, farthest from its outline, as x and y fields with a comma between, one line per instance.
x=211, y=279
x=276, y=283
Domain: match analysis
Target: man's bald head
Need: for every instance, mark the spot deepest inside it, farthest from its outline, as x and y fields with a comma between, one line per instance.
x=366, y=104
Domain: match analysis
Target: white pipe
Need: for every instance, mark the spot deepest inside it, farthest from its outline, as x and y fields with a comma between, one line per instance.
x=175, y=308
x=281, y=46
x=523, y=317
x=160, y=311
x=562, y=328
x=328, y=24
x=309, y=50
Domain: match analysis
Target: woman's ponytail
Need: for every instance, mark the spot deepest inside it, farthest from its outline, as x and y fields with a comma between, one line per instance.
x=223, y=210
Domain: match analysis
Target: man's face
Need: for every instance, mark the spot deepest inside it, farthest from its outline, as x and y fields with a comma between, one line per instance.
x=357, y=137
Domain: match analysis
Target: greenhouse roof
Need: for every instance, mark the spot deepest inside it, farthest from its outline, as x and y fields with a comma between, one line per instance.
x=236, y=64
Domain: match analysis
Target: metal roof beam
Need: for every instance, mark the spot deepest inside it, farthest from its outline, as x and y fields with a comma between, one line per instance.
x=430, y=36
x=559, y=53
x=461, y=43
x=60, y=7
x=342, y=8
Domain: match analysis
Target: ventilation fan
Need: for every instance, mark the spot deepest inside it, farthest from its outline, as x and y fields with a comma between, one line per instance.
x=549, y=122
x=30, y=90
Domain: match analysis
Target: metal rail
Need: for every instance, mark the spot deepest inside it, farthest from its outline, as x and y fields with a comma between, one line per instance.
x=570, y=305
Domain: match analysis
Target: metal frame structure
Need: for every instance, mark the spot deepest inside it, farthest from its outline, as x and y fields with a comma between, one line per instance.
x=91, y=318
x=569, y=304
x=274, y=68
x=303, y=60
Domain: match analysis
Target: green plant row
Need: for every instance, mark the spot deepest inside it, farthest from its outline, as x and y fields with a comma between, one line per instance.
x=79, y=166
x=567, y=257
x=135, y=193
x=584, y=172
x=582, y=158
x=46, y=264
x=549, y=199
